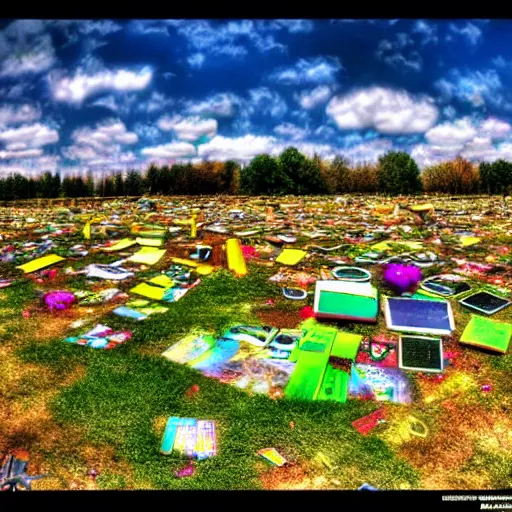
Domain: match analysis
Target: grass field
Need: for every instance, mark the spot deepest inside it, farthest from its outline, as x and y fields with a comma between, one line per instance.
x=77, y=409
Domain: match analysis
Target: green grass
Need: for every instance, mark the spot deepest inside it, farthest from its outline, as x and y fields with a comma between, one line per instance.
x=118, y=396
x=124, y=392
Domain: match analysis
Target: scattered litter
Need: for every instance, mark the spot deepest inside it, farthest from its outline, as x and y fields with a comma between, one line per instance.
x=273, y=456
x=190, y=437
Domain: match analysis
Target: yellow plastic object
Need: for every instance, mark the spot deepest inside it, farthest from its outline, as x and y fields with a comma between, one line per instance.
x=204, y=270
x=384, y=208
x=87, y=231
x=193, y=226
x=151, y=242
x=147, y=256
x=40, y=263
x=183, y=261
x=122, y=244
x=290, y=256
x=466, y=241
x=162, y=280
x=381, y=246
x=422, y=207
x=146, y=290
x=236, y=260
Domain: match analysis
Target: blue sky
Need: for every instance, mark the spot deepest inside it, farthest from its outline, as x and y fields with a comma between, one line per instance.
x=78, y=96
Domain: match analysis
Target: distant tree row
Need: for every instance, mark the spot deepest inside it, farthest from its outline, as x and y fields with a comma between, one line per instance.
x=289, y=173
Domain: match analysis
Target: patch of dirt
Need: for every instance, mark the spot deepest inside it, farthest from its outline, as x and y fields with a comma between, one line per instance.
x=461, y=427
x=280, y=319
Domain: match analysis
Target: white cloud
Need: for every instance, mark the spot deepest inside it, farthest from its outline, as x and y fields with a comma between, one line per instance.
x=451, y=134
x=81, y=85
x=25, y=49
x=196, y=60
x=312, y=98
x=189, y=129
x=38, y=58
x=399, y=53
x=470, y=32
x=35, y=135
x=102, y=27
x=15, y=114
x=495, y=128
x=291, y=131
x=26, y=153
x=156, y=103
x=475, y=87
x=474, y=141
x=428, y=30
x=297, y=26
x=263, y=101
x=170, y=150
x=222, y=105
x=94, y=143
x=368, y=152
x=319, y=70
x=242, y=149
x=224, y=38
x=385, y=110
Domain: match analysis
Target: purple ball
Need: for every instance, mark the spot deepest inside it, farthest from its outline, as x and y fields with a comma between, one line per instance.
x=59, y=300
x=402, y=277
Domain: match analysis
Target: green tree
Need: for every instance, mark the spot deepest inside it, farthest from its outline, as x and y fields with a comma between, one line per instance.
x=133, y=184
x=89, y=185
x=20, y=187
x=109, y=187
x=151, y=180
x=119, y=185
x=398, y=173
x=229, y=173
x=264, y=176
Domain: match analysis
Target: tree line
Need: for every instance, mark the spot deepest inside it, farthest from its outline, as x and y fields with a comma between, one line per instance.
x=291, y=172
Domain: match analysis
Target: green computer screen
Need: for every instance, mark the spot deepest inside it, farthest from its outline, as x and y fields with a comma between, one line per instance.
x=342, y=304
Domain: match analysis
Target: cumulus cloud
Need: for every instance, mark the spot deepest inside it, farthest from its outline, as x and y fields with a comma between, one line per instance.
x=106, y=139
x=385, y=110
x=469, y=31
x=221, y=105
x=225, y=38
x=476, y=141
x=241, y=149
x=291, y=131
x=428, y=31
x=451, y=134
x=156, y=103
x=16, y=114
x=75, y=89
x=368, y=152
x=296, y=26
x=170, y=150
x=314, y=97
x=264, y=101
x=25, y=48
x=196, y=60
x=475, y=87
x=25, y=153
x=189, y=129
x=318, y=70
x=399, y=53
x=34, y=135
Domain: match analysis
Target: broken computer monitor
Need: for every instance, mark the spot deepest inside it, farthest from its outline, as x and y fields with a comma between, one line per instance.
x=485, y=302
x=421, y=354
x=419, y=316
x=346, y=300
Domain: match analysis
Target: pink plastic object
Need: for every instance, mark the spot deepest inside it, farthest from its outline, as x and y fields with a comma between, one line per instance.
x=59, y=300
x=186, y=471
